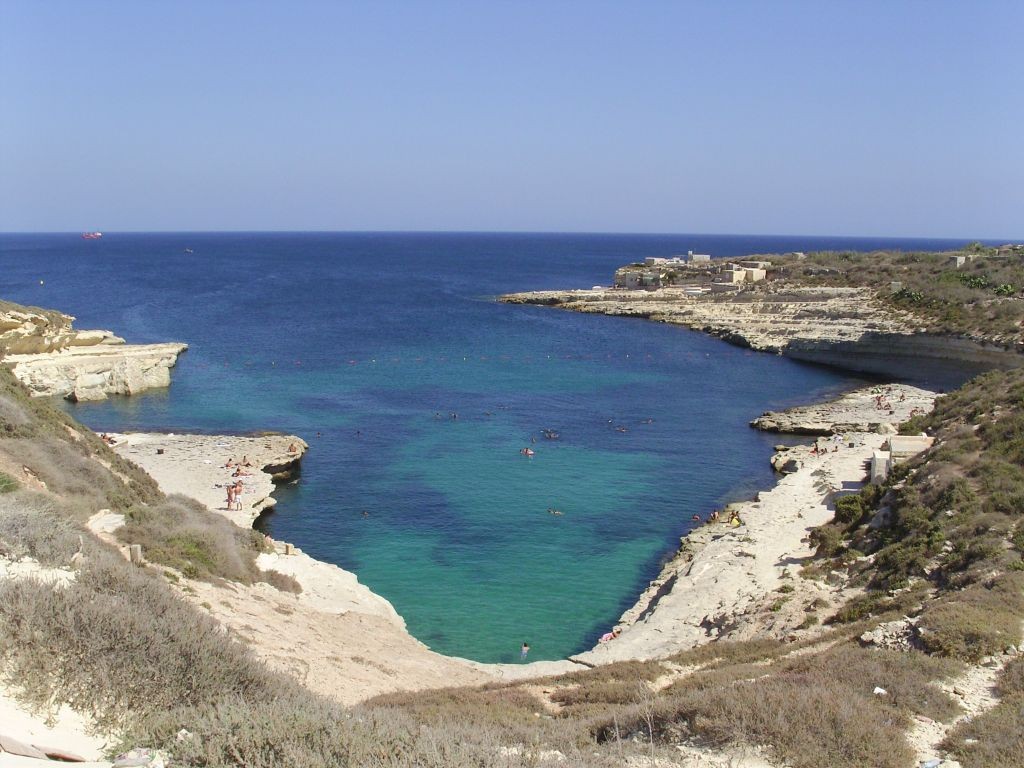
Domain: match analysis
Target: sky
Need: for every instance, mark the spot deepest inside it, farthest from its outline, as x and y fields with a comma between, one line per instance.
x=831, y=118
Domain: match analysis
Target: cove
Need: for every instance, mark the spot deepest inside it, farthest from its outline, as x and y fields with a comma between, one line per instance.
x=375, y=341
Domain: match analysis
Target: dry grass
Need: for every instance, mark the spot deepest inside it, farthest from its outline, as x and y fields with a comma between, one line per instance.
x=183, y=534
x=119, y=645
x=1011, y=681
x=31, y=525
x=809, y=719
x=35, y=434
x=996, y=737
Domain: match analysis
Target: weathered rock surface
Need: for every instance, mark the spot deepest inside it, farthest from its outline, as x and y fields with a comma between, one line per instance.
x=193, y=465
x=846, y=327
x=92, y=372
x=870, y=409
x=767, y=320
x=51, y=358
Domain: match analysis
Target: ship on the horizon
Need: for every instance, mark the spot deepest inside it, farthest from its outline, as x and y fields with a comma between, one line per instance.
x=92, y=235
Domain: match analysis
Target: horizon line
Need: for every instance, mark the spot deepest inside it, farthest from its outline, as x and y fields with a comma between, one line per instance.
x=966, y=239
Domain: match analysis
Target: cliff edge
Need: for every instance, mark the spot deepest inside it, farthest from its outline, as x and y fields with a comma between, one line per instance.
x=50, y=357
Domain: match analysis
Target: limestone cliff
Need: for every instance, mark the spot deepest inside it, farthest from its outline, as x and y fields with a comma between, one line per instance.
x=52, y=358
x=846, y=327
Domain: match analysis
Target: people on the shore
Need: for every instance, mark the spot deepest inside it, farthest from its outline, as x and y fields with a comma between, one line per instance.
x=523, y=651
x=607, y=637
x=293, y=448
x=231, y=498
x=734, y=519
x=713, y=517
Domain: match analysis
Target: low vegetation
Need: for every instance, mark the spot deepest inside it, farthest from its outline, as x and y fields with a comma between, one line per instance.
x=984, y=296
x=182, y=534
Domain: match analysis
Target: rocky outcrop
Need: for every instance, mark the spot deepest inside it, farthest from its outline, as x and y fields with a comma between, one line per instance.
x=51, y=358
x=194, y=465
x=92, y=373
x=768, y=320
x=871, y=409
x=846, y=327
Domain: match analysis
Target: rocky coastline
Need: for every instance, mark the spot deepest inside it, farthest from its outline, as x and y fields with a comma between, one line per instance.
x=845, y=327
x=50, y=357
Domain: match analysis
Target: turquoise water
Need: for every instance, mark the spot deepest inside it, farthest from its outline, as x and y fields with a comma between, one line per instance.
x=373, y=341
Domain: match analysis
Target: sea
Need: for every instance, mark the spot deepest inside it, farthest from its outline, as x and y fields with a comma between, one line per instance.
x=417, y=392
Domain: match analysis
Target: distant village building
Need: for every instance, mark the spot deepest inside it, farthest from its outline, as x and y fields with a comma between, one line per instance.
x=698, y=258
x=656, y=261
x=735, y=274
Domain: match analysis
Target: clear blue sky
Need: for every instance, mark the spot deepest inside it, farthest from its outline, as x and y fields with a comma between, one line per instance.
x=826, y=117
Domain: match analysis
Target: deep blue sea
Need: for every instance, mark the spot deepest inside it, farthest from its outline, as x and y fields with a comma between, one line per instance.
x=366, y=344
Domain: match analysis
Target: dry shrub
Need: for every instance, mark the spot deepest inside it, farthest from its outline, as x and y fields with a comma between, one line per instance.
x=731, y=652
x=183, y=534
x=997, y=737
x=908, y=677
x=628, y=671
x=809, y=719
x=299, y=732
x=1011, y=681
x=977, y=621
x=604, y=693
x=31, y=525
x=490, y=706
x=12, y=415
x=119, y=645
x=36, y=420
x=281, y=581
x=69, y=470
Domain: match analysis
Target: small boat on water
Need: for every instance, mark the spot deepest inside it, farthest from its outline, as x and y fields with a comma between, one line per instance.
x=92, y=235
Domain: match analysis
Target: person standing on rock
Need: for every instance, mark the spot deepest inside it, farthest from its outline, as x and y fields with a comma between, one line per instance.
x=231, y=497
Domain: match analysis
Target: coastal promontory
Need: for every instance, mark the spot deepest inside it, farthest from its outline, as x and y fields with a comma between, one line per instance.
x=50, y=357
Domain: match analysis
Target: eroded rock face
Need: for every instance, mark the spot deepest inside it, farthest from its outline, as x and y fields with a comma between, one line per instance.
x=52, y=358
x=767, y=320
x=846, y=327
